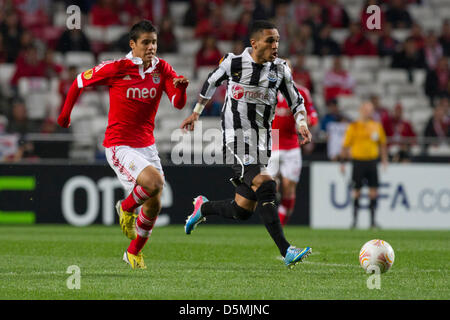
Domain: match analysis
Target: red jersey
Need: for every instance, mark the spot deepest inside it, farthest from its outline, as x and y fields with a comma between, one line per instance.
x=134, y=95
x=284, y=120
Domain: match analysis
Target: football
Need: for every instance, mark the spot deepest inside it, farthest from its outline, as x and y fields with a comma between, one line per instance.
x=376, y=253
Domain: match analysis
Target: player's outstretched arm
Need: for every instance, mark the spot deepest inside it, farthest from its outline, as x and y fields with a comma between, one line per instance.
x=176, y=91
x=189, y=123
x=300, y=119
x=72, y=96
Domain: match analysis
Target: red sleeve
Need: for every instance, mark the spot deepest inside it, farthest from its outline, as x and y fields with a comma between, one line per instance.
x=104, y=73
x=177, y=95
x=71, y=98
x=313, y=118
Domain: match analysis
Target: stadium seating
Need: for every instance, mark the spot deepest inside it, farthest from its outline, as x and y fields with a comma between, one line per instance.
x=80, y=59
x=389, y=76
x=110, y=55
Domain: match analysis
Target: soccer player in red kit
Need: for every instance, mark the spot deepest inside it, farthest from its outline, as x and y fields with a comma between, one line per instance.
x=136, y=84
x=286, y=158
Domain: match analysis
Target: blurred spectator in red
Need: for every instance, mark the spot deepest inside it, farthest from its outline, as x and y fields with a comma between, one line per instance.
x=437, y=80
x=208, y=54
x=214, y=25
x=336, y=15
x=73, y=40
x=337, y=81
x=416, y=33
x=387, y=45
x=104, y=13
x=167, y=41
x=136, y=8
x=324, y=44
x=11, y=30
x=444, y=38
x=300, y=74
x=299, y=10
x=264, y=10
x=66, y=82
x=364, y=15
x=357, y=44
x=438, y=126
x=197, y=11
x=52, y=69
x=401, y=128
x=316, y=17
x=403, y=135
x=28, y=65
x=302, y=41
x=381, y=114
x=232, y=11
x=34, y=14
x=432, y=50
x=154, y=10
x=397, y=14
x=241, y=28
x=409, y=57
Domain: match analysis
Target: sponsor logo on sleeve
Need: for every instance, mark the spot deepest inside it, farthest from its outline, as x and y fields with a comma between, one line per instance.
x=88, y=74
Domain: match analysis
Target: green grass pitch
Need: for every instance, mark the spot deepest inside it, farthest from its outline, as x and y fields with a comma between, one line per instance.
x=229, y=262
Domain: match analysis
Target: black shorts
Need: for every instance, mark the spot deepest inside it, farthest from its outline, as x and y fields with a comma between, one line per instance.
x=246, y=166
x=365, y=172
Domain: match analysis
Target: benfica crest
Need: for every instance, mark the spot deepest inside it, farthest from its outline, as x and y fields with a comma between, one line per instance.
x=156, y=77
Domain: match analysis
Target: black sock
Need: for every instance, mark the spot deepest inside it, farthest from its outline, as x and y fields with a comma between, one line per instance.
x=269, y=214
x=219, y=208
x=355, y=210
x=372, y=207
x=225, y=208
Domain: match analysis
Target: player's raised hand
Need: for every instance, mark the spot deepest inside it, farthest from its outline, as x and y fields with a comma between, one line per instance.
x=181, y=80
x=64, y=121
x=305, y=134
x=189, y=123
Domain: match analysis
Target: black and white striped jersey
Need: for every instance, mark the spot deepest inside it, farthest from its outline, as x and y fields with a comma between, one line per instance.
x=250, y=101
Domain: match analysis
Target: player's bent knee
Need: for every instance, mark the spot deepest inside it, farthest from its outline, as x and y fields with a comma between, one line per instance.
x=266, y=191
x=153, y=184
x=241, y=213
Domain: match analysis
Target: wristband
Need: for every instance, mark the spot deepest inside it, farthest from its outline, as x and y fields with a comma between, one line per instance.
x=199, y=108
x=302, y=123
x=300, y=120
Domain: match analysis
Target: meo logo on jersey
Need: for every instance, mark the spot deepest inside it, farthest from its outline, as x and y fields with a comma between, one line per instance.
x=144, y=93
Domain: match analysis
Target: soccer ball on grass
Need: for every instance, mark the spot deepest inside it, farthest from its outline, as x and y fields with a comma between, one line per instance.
x=376, y=253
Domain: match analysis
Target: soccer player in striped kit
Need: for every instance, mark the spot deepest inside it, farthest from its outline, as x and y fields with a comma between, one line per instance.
x=254, y=78
x=136, y=84
x=286, y=159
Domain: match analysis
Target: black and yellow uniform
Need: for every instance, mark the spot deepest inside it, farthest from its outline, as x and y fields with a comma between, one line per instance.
x=364, y=139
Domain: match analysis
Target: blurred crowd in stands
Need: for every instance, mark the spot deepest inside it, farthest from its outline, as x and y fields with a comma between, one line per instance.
x=30, y=38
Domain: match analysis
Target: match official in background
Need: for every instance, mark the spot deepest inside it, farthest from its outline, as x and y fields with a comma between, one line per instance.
x=364, y=142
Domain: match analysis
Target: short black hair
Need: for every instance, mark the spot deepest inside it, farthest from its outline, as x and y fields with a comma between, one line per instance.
x=259, y=25
x=142, y=26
